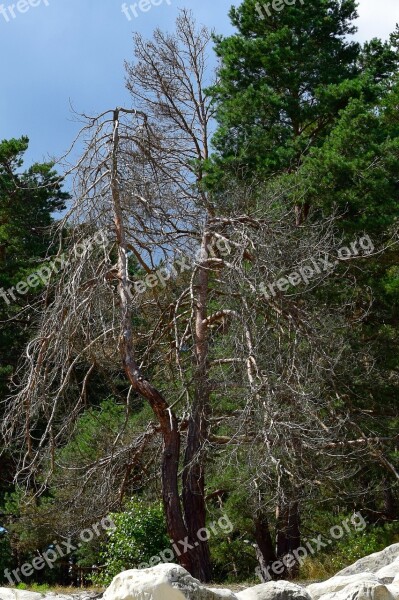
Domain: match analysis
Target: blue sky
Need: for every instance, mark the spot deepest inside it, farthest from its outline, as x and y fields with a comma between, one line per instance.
x=72, y=52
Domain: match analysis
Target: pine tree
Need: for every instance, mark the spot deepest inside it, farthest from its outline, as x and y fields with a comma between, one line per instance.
x=283, y=79
x=28, y=200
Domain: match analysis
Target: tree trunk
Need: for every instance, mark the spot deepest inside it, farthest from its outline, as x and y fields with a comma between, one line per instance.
x=194, y=471
x=288, y=533
x=301, y=213
x=194, y=498
x=168, y=422
x=265, y=551
x=390, y=502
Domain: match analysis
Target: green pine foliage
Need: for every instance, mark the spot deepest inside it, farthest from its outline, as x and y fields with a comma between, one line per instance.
x=29, y=199
x=284, y=78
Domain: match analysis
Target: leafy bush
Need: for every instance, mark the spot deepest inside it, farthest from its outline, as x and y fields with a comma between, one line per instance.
x=140, y=534
x=349, y=549
x=361, y=543
x=40, y=588
x=233, y=560
x=5, y=554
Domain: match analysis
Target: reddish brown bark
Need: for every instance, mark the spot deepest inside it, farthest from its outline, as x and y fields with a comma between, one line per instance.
x=288, y=533
x=265, y=551
x=193, y=474
x=195, y=560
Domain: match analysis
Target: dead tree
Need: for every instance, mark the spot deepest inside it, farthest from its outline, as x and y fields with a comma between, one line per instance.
x=167, y=81
x=208, y=331
x=137, y=183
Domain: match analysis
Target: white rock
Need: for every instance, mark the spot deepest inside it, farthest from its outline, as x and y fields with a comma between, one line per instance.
x=338, y=583
x=274, y=590
x=373, y=562
x=394, y=590
x=162, y=582
x=388, y=573
x=12, y=594
x=223, y=594
x=54, y=596
x=366, y=590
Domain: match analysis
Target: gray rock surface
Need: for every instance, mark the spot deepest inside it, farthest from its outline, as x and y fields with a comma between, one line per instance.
x=162, y=582
x=388, y=573
x=394, y=590
x=274, y=590
x=366, y=590
x=374, y=577
x=373, y=562
x=338, y=583
x=12, y=594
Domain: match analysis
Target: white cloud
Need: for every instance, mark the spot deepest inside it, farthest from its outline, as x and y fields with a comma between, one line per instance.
x=377, y=18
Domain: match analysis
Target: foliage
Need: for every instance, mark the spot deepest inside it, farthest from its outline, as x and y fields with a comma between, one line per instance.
x=308, y=118
x=284, y=79
x=40, y=588
x=349, y=549
x=28, y=200
x=5, y=554
x=140, y=534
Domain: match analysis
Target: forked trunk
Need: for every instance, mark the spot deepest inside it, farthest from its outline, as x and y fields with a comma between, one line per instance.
x=177, y=529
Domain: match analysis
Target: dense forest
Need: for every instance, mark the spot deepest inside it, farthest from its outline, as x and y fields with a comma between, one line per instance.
x=199, y=346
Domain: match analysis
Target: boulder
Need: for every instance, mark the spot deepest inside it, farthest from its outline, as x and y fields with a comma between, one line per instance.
x=365, y=590
x=373, y=562
x=374, y=577
x=388, y=573
x=11, y=594
x=338, y=583
x=56, y=596
x=274, y=590
x=223, y=594
x=394, y=590
x=162, y=582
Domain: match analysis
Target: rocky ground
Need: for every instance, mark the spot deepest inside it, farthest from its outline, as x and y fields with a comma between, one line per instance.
x=11, y=594
x=375, y=577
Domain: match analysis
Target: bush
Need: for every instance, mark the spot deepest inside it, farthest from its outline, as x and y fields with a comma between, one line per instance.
x=5, y=555
x=139, y=535
x=233, y=560
x=348, y=550
x=40, y=588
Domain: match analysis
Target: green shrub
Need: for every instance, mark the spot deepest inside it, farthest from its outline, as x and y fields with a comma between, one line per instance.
x=140, y=534
x=41, y=588
x=5, y=555
x=361, y=543
x=233, y=560
x=349, y=549
x=22, y=586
